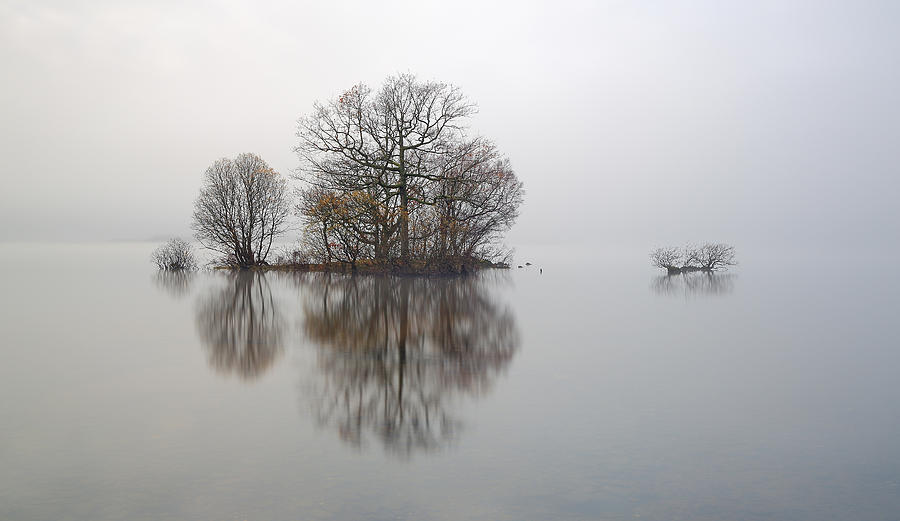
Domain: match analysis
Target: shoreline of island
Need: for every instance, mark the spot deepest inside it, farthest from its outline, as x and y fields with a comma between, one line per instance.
x=375, y=268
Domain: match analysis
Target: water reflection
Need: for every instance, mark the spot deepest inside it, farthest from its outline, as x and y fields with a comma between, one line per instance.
x=176, y=283
x=240, y=325
x=393, y=353
x=694, y=284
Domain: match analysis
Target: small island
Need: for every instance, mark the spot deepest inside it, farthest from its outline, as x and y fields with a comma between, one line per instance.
x=390, y=181
x=708, y=257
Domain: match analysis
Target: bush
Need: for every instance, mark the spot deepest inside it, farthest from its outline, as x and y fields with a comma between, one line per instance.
x=174, y=255
x=293, y=256
x=708, y=257
x=711, y=256
x=667, y=258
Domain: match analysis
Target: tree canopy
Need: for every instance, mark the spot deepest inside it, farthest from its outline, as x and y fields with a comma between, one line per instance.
x=242, y=207
x=393, y=174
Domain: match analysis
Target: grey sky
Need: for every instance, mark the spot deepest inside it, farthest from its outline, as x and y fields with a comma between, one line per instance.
x=629, y=122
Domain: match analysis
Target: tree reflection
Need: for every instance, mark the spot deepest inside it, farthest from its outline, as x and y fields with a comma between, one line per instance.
x=176, y=283
x=694, y=284
x=240, y=325
x=393, y=353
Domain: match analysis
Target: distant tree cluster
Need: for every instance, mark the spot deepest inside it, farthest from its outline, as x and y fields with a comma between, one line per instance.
x=392, y=176
x=175, y=255
x=707, y=257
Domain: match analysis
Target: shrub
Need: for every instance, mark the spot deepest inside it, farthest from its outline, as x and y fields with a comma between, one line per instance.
x=174, y=255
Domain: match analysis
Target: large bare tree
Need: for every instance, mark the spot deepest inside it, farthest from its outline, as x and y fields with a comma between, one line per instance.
x=400, y=153
x=243, y=206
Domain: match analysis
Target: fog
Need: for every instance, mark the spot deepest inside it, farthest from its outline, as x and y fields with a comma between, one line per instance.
x=763, y=124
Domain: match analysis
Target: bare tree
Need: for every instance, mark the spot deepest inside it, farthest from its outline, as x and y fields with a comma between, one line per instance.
x=711, y=256
x=477, y=199
x=670, y=259
x=175, y=255
x=708, y=257
x=400, y=153
x=243, y=206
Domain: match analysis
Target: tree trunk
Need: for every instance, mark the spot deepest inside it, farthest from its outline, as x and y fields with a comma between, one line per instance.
x=404, y=211
x=442, y=240
x=325, y=241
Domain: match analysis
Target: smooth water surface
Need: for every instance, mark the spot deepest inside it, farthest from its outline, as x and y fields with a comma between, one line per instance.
x=606, y=391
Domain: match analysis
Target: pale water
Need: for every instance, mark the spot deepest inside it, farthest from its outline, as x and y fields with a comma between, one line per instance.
x=588, y=391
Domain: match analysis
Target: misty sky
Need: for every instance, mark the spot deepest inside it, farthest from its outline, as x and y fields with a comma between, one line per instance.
x=643, y=123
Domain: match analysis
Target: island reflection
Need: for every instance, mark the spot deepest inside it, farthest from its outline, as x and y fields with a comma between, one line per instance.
x=694, y=284
x=394, y=353
x=240, y=325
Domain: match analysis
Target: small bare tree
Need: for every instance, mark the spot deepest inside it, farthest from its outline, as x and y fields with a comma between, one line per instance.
x=175, y=255
x=670, y=259
x=243, y=206
x=711, y=256
x=337, y=221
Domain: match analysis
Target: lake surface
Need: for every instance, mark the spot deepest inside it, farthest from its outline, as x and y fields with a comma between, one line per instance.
x=607, y=391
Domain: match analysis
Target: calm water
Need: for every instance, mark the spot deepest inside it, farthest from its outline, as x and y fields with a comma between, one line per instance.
x=601, y=392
